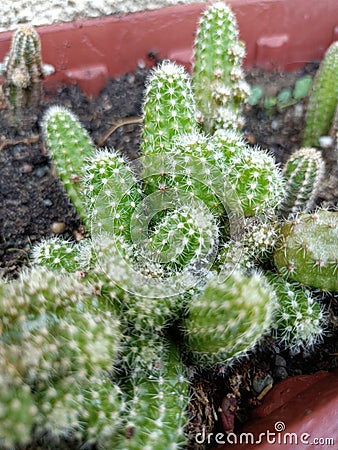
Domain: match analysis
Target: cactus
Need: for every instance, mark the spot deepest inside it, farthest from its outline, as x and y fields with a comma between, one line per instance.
x=323, y=99
x=307, y=250
x=169, y=107
x=23, y=72
x=228, y=317
x=218, y=79
x=18, y=411
x=256, y=180
x=62, y=255
x=299, y=318
x=157, y=406
x=70, y=146
x=91, y=409
x=112, y=193
x=303, y=172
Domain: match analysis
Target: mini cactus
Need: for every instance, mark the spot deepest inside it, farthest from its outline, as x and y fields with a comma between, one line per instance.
x=303, y=172
x=322, y=100
x=23, y=72
x=70, y=147
x=307, y=250
x=63, y=255
x=218, y=79
x=169, y=107
x=256, y=180
x=228, y=317
x=112, y=193
x=299, y=318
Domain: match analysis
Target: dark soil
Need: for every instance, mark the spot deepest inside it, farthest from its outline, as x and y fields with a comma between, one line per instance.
x=34, y=206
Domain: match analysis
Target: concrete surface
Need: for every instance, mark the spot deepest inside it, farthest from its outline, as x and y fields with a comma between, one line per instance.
x=43, y=12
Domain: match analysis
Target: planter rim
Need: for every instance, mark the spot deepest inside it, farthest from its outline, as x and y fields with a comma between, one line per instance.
x=88, y=52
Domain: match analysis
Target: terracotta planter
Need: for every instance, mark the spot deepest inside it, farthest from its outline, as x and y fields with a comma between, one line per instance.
x=300, y=412
x=278, y=34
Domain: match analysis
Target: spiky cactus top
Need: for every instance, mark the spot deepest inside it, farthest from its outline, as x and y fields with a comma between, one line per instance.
x=323, y=99
x=70, y=146
x=218, y=79
x=168, y=86
x=23, y=71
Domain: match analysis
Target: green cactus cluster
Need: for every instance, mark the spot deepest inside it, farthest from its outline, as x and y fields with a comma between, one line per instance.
x=23, y=73
x=195, y=256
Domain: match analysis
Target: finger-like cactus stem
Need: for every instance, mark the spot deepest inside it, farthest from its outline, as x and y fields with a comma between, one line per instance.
x=323, y=99
x=218, y=79
x=303, y=172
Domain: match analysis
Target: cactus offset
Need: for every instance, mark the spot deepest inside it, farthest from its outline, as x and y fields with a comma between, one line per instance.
x=323, y=99
x=157, y=407
x=228, y=317
x=303, y=172
x=169, y=107
x=23, y=72
x=70, y=146
x=112, y=193
x=256, y=180
x=218, y=79
x=299, y=318
x=307, y=250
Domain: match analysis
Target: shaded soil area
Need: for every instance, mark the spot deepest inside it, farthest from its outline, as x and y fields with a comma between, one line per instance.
x=34, y=205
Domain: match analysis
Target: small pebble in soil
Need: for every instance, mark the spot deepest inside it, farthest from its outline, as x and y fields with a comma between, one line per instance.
x=326, y=141
x=40, y=172
x=280, y=361
x=259, y=382
x=58, y=227
x=26, y=168
x=47, y=202
x=280, y=373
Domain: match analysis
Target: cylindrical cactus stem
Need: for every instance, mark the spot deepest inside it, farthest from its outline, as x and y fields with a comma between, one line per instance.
x=303, y=172
x=229, y=316
x=23, y=72
x=257, y=181
x=185, y=237
x=299, y=318
x=112, y=193
x=70, y=146
x=218, y=79
x=307, y=250
x=322, y=100
x=169, y=107
x=157, y=413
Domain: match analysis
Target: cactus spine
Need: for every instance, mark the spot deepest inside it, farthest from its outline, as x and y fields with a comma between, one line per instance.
x=303, y=172
x=323, y=99
x=23, y=72
x=307, y=249
x=218, y=79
